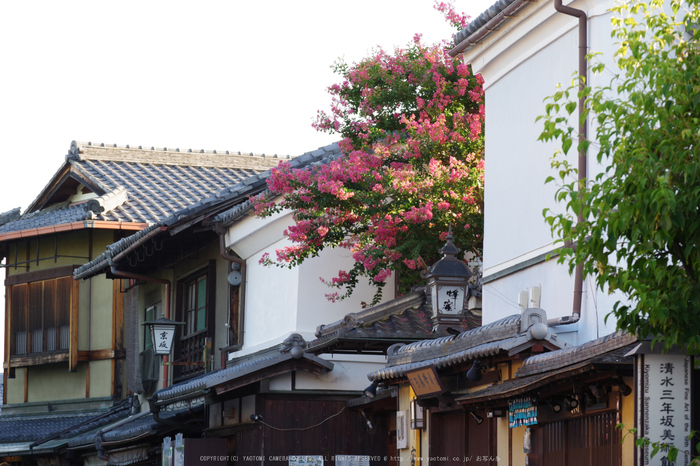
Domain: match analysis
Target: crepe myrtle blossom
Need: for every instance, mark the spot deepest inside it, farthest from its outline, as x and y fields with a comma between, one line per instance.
x=411, y=128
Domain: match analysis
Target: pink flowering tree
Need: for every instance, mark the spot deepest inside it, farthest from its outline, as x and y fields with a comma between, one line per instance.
x=411, y=124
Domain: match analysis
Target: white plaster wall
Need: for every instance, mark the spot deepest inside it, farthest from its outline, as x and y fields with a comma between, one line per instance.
x=314, y=308
x=522, y=64
x=280, y=301
x=270, y=303
x=500, y=299
x=349, y=373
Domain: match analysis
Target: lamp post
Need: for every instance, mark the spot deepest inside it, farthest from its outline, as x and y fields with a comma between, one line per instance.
x=162, y=332
x=448, y=280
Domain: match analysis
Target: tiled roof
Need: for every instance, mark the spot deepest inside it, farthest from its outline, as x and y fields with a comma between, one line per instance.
x=9, y=215
x=507, y=327
x=159, y=183
x=321, y=156
x=502, y=335
x=486, y=23
x=37, y=427
x=565, y=373
x=247, y=365
x=567, y=356
x=63, y=213
x=402, y=318
x=237, y=192
x=138, y=426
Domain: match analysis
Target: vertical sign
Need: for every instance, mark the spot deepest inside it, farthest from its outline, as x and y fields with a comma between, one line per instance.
x=665, y=386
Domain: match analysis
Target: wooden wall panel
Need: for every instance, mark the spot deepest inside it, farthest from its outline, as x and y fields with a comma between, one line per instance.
x=448, y=436
x=74, y=312
x=342, y=434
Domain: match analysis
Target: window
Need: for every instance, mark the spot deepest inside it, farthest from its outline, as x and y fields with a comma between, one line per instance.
x=41, y=317
x=41, y=305
x=195, y=307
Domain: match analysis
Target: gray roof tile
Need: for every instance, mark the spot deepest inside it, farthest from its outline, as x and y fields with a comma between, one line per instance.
x=496, y=14
x=159, y=183
x=405, y=318
x=35, y=427
x=567, y=356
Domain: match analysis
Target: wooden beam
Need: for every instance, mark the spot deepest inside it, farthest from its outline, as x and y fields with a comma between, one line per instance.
x=101, y=355
x=117, y=316
x=64, y=355
x=6, y=360
x=74, y=313
x=39, y=358
x=41, y=275
x=117, y=337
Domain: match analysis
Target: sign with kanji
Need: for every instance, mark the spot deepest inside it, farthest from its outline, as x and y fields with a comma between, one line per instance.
x=665, y=393
x=425, y=381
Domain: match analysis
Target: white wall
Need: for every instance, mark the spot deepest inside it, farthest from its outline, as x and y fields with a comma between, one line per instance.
x=522, y=64
x=281, y=301
x=349, y=373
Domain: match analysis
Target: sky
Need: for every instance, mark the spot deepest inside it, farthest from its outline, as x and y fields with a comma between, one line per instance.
x=215, y=75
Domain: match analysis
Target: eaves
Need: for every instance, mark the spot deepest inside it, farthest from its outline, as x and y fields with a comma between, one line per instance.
x=81, y=225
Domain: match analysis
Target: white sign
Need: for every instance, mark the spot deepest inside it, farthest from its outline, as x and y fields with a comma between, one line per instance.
x=351, y=460
x=306, y=460
x=665, y=385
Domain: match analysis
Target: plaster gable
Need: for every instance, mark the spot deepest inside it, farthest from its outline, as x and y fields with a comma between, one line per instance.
x=528, y=32
x=252, y=235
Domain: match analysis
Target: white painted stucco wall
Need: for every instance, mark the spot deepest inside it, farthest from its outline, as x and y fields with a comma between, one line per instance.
x=522, y=63
x=281, y=301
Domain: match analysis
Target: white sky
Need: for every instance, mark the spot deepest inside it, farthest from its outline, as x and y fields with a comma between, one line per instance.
x=225, y=75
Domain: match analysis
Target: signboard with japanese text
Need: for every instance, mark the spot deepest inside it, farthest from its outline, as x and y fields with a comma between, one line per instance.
x=425, y=382
x=665, y=414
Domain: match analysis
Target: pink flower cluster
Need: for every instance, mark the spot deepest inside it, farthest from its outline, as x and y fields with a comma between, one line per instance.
x=458, y=21
x=411, y=123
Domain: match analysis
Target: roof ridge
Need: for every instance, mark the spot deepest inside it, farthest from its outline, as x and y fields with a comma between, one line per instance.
x=82, y=152
x=89, y=145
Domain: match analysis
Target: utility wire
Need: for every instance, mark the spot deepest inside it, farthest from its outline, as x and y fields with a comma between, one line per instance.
x=304, y=428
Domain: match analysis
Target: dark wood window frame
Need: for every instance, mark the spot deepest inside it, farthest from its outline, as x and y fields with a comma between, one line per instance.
x=42, y=323
x=190, y=340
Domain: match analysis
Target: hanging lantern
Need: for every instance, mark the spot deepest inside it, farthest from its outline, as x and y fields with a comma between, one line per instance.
x=448, y=280
x=162, y=333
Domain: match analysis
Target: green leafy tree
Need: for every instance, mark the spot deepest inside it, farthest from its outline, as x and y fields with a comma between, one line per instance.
x=641, y=217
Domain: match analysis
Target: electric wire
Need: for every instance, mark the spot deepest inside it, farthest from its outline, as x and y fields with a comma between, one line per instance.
x=304, y=428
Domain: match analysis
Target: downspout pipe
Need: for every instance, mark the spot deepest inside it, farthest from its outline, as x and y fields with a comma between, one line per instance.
x=166, y=308
x=155, y=411
x=224, y=254
x=582, y=159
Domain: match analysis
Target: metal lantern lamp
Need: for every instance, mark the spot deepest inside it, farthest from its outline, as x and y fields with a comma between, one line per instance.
x=448, y=281
x=162, y=332
x=417, y=415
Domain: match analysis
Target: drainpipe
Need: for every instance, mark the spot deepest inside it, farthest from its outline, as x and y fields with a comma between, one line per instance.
x=241, y=311
x=155, y=411
x=582, y=159
x=166, y=308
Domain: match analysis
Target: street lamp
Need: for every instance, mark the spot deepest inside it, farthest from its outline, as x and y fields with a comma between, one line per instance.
x=162, y=332
x=448, y=281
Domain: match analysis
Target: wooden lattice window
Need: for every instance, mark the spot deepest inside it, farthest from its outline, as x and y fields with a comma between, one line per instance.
x=40, y=325
x=41, y=316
